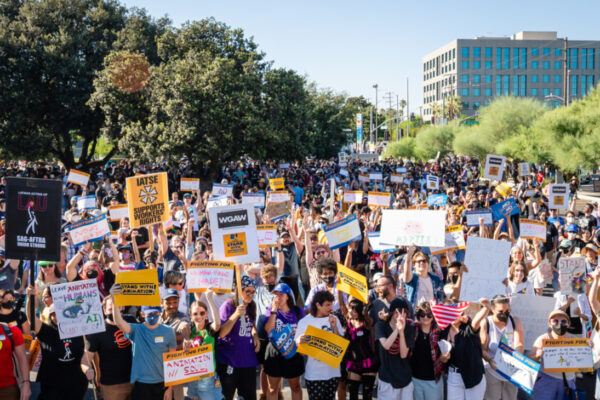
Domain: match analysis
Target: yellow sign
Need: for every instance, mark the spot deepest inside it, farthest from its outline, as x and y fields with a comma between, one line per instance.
x=353, y=283
x=567, y=355
x=149, y=199
x=235, y=244
x=139, y=288
x=504, y=189
x=325, y=346
x=276, y=183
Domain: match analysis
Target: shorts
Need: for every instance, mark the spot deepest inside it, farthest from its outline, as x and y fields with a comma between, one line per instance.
x=277, y=366
x=260, y=356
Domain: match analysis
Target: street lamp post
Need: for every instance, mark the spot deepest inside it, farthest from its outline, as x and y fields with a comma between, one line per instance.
x=376, y=86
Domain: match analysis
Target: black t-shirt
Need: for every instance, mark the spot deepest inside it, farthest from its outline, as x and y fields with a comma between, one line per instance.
x=381, y=305
x=61, y=358
x=551, y=234
x=114, y=351
x=394, y=370
x=466, y=354
x=421, y=361
x=15, y=318
x=172, y=262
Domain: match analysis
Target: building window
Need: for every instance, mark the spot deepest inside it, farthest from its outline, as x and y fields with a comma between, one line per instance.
x=476, y=52
x=453, y=66
x=516, y=58
x=506, y=58
x=453, y=53
x=591, y=58
x=534, y=92
x=476, y=78
x=476, y=64
x=476, y=92
x=465, y=65
x=523, y=86
x=465, y=52
x=535, y=65
x=583, y=58
x=464, y=78
x=546, y=51
x=545, y=92
x=556, y=91
x=572, y=58
x=546, y=78
x=488, y=65
x=515, y=85
x=464, y=92
x=557, y=78
x=505, y=84
x=488, y=52
x=535, y=78
x=583, y=85
x=574, y=85
x=535, y=51
x=488, y=79
x=546, y=65
x=498, y=57
x=476, y=105
x=487, y=92
x=523, y=58
x=557, y=51
x=590, y=82
x=465, y=105
x=557, y=64
x=498, y=85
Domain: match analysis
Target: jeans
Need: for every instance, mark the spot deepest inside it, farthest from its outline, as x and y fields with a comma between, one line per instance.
x=549, y=388
x=428, y=390
x=205, y=388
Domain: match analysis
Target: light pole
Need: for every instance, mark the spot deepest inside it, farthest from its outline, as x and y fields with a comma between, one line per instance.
x=376, y=86
x=568, y=88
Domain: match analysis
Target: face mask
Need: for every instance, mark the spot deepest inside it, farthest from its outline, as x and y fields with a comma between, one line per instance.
x=270, y=286
x=152, y=319
x=453, y=278
x=91, y=274
x=570, y=220
x=75, y=218
x=503, y=317
x=125, y=256
x=110, y=317
x=559, y=329
x=9, y=305
x=328, y=279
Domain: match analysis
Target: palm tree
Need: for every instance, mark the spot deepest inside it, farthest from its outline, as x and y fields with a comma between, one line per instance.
x=453, y=107
x=436, y=110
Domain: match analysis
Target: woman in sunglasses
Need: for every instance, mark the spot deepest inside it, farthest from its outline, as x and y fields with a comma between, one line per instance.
x=48, y=276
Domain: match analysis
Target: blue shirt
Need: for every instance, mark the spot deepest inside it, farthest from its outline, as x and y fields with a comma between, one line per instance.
x=298, y=194
x=148, y=348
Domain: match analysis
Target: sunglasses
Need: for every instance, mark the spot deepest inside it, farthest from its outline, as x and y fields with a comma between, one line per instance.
x=201, y=313
x=179, y=283
x=423, y=315
x=320, y=253
x=563, y=322
x=249, y=291
x=421, y=260
x=48, y=266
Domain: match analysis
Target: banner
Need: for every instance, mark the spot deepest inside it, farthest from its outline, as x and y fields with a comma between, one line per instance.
x=118, y=212
x=533, y=311
x=325, y=346
x=571, y=275
x=353, y=197
x=216, y=201
x=558, y=196
x=506, y=206
x=233, y=231
x=89, y=230
x=524, y=169
x=342, y=232
x=267, y=236
x=494, y=167
x=256, y=199
x=353, y=283
x=504, y=189
x=433, y=182
x=567, y=355
x=375, y=176
x=532, y=229
x=187, y=366
x=487, y=260
x=421, y=227
x=202, y=275
x=454, y=240
x=219, y=189
x=139, y=288
x=85, y=202
x=78, y=308
x=33, y=219
x=78, y=177
x=277, y=183
x=148, y=199
x=437, y=200
x=189, y=184
x=473, y=217
x=379, y=199
x=397, y=178
x=516, y=368
x=283, y=340
x=377, y=246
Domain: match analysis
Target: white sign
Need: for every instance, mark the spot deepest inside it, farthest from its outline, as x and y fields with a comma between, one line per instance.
x=342, y=232
x=343, y=159
x=364, y=178
x=86, y=202
x=473, y=217
x=78, y=308
x=256, y=199
x=433, y=182
x=524, y=169
x=118, y=212
x=284, y=165
x=78, y=177
x=219, y=189
x=267, y=235
x=377, y=246
x=455, y=240
x=494, y=167
x=532, y=229
x=216, y=201
x=189, y=184
x=89, y=230
x=344, y=172
x=218, y=275
x=375, y=176
x=233, y=232
x=533, y=311
x=396, y=178
x=518, y=369
x=567, y=355
x=187, y=366
x=421, y=227
x=571, y=274
x=353, y=197
x=487, y=262
x=558, y=196
x=379, y=199
x=279, y=196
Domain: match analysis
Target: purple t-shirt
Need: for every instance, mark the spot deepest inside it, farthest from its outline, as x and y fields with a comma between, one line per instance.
x=284, y=318
x=236, y=349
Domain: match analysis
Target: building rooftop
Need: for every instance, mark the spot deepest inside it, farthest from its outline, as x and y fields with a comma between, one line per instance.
x=525, y=35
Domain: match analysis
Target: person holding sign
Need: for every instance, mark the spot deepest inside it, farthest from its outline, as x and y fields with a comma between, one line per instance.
x=421, y=285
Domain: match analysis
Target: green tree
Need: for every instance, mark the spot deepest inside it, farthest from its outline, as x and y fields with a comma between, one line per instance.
x=330, y=115
x=405, y=148
x=434, y=138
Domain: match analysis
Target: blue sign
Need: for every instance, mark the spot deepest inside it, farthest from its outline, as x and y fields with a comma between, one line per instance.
x=506, y=206
x=518, y=369
x=437, y=200
x=284, y=341
x=359, y=134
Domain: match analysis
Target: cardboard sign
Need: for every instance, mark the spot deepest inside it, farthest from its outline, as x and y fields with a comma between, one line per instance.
x=78, y=308
x=342, y=232
x=277, y=183
x=455, y=240
x=353, y=283
x=421, y=227
x=78, y=177
x=433, y=182
x=118, y=212
x=379, y=199
x=89, y=230
x=325, y=346
x=256, y=199
x=571, y=275
x=139, y=288
x=558, y=196
x=283, y=340
x=202, y=275
x=473, y=217
x=437, y=200
x=377, y=246
x=524, y=169
x=375, y=176
x=532, y=229
x=189, y=184
x=267, y=236
x=233, y=231
x=219, y=189
x=504, y=189
x=364, y=178
x=277, y=211
x=516, y=368
x=494, y=167
x=533, y=311
x=353, y=197
x=148, y=199
x=567, y=355
x=216, y=201
x=506, y=206
x=487, y=261
x=397, y=178
x=187, y=366
x=33, y=219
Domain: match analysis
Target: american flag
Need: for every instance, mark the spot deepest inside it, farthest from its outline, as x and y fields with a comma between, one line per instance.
x=445, y=314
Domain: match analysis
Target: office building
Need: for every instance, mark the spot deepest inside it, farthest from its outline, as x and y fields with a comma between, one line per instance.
x=527, y=64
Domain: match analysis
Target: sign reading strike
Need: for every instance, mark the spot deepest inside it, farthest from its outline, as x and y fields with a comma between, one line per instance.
x=567, y=355
x=494, y=167
x=78, y=308
x=187, y=366
x=342, y=232
x=558, y=196
x=421, y=227
x=571, y=274
x=148, y=199
x=267, y=235
x=353, y=283
x=202, y=275
x=138, y=288
x=325, y=346
x=33, y=219
x=233, y=231
x=89, y=230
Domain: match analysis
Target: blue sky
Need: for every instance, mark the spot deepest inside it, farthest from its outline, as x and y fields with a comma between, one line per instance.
x=348, y=45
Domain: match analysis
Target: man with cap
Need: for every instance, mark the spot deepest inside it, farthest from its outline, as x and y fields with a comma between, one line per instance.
x=150, y=341
x=590, y=252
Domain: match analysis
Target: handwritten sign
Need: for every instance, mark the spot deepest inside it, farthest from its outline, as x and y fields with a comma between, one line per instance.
x=202, y=275
x=78, y=308
x=421, y=227
x=558, y=196
x=487, y=260
x=118, y=212
x=473, y=217
x=353, y=197
x=89, y=230
x=516, y=368
x=532, y=229
x=86, y=202
x=342, y=232
x=433, y=182
x=267, y=236
x=353, y=283
x=379, y=199
x=567, y=355
x=221, y=189
x=499, y=210
x=455, y=240
x=187, y=366
x=437, y=200
x=78, y=177
x=571, y=274
x=189, y=184
x=524, y=169
x=256, y=199
x=148, y=199
x=377, y=246
x=326, y=347
x=138, y=288
x=277, y=183
x=494, y=167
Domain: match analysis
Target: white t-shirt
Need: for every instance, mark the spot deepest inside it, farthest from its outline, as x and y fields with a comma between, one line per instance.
x=425, y=290
x=317, y=370
x=520, y=288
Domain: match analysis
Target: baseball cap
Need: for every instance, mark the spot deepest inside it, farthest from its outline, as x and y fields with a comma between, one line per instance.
x=187, y=195
x=150, y=309
x=124, y=247
x=559, y=313
x=572, y=228
x=284, y=288
x=283, y=233
x=170, y=293
x=565, y=243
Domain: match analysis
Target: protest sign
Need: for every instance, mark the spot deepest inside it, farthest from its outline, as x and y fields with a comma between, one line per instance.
x=544, y=270
x=277, y=211
x=421, y=227
x=379, y=199
x=486, y=260
x=433, y=182
x=340, y=233
x=353, y=197
x=437, y=200
x=518, y=369
x=279, y=196
x=401, y=170
x=344, y=172
x=473, y=217
x=558, y=196
x=85, y=202
x=283, y=340
x=343, y=159
x=325, y=346
x=267, y=236
x=418, y=207
x=353, y=283
x=138, y=288
x=277, y=183
x=216, y=201
x=148, y=199
x=571, y=274
x=529, y=192
x=221, y=189
x=187, y=366
x=524, y=169
x=78, y=177
x=454, y=240
x=89, y=230
x=499, y=210
x=189, y=184
x=202, y=275
x=567, y=355
x=284, y=165
x=233, y=231
x=532, y=229
x=363, y=178
x=33, y=219
x=504, y=189
x=494, y=167
x=118, y=212
x=78, y=308
x=375, y=176
x=377, y=246
x=256, y=199
x=397, y=178
x=533, y=311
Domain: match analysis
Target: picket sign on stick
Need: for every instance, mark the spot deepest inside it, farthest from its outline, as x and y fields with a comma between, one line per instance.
x=238, y=281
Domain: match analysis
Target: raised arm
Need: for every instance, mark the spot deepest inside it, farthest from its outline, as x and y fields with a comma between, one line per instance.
x=32, y=291
x=291, y=227
x=121, y=323
x=114, y=264
x=481, y=314
x=407, y=274
x=136, y=250
x=214, y=312
x=593, y=294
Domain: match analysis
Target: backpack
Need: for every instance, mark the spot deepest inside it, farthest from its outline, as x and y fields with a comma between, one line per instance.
x=8, y=332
